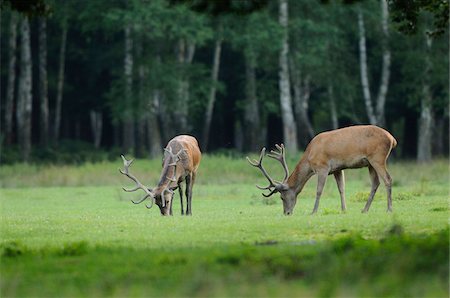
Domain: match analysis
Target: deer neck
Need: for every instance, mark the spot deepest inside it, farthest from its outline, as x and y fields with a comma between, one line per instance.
x=300, y=176
x=166, y=174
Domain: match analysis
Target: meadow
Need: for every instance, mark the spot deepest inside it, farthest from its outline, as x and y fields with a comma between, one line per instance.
x=71, y=231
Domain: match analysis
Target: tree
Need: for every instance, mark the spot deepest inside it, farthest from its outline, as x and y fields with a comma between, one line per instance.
x=376, y=115
x=43, y=82
x=60, y=84
x=289, y=126
x=10, y=89
x=24, y=98
x=128, y=141
x=213, y=89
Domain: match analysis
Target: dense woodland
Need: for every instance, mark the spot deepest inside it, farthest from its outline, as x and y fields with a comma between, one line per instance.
x=129, y=75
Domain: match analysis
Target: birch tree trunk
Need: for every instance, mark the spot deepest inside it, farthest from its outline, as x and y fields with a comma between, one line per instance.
x=363, y=69
x=24, y=99
x=386, y=66
x=43, y=82
x=186, y=51
x=289, y=125
x=375, y=114
x=426, y=113
x=60, y=88
x=301, y=105
x=10, y=89
x=252, y=120
x=212, y=93
x=128, y=141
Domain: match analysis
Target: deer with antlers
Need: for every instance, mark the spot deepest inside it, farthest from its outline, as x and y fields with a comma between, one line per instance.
x=180, y=163
x=330, y=153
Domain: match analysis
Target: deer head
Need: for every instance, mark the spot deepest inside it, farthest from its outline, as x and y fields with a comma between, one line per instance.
x=288, y=195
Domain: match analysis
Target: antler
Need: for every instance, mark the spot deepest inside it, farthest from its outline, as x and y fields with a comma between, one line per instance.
x=126, y=165
x=278, y=155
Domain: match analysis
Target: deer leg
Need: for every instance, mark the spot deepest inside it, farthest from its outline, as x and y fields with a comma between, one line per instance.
x=375, y=183
x=321, y=179
x=340, y=181
x=384, y=175
x=180, y=191
x=188, y=194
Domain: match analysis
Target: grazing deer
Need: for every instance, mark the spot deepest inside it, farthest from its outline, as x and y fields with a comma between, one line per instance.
x=180, y=163
x=330, y=153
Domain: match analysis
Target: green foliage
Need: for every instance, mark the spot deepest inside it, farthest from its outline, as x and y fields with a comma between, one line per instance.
x=66, y=152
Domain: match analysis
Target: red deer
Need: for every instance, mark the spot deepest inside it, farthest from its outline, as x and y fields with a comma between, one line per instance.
x=330, y=153
x=180, y=163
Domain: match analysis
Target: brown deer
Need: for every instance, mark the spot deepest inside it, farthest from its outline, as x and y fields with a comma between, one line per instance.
x=330, y=153
x=180, y=163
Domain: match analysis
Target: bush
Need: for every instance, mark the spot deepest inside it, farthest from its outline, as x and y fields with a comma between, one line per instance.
x=66, y=152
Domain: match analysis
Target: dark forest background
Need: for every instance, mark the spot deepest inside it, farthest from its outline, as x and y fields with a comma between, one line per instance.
x=103, y=77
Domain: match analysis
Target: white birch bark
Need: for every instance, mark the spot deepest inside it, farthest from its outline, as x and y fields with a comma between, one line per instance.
x=386, y=66
x=363, y=69
x=289, y=125
x=424, y=153
x=375, y=112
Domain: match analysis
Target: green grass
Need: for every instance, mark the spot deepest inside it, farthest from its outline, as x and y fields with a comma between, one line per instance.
x=85, y=238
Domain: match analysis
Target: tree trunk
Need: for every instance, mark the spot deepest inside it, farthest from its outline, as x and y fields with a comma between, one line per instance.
x=43, y=82
x=333, y=110
x=252, y=120
x=426, y=113
x=386, y=66
x=60, y=88
x=212, y=93
x=144, y=102
x=185, y=55
x=289, y=125
x=10, y=90
x=96, y=126
x=128, y=123
x=376, y=115
x=301, y=104
x=153, y=127
x=363, y=69
x=238, y=136
x=24, y=100
x=438, y=136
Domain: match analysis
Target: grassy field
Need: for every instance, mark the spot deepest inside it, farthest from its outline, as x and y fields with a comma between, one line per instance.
x=71, y=231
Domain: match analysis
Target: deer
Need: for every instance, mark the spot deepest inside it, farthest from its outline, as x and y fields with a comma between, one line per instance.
x=180, y=163
x=329, y=153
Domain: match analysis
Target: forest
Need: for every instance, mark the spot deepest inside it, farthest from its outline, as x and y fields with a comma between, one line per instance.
x=111, y=77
